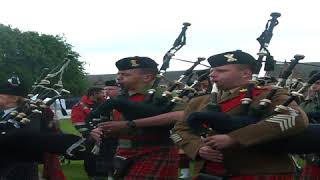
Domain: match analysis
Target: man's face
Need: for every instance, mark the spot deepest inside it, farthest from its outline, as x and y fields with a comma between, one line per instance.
x=111, y=91
x=130, y=78
x=228, y=76
x=316, y=87
x=100, y=95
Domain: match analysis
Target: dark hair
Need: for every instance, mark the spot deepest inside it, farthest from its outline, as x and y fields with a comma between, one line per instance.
x=93, y=90
x=246, y=66
x=111, y=82
x=153, y=71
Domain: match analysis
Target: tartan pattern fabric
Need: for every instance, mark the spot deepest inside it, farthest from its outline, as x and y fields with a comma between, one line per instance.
x=157, y=162
x=279, y=177
x=184, y=161
x=310, y=171
x=160, y=162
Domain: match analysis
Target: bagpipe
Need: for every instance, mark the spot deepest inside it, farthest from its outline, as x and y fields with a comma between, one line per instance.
x=203, y=123
x=213, y=107
x=43, y=93
x=264, y=103
x=162, y=104
x=302, y=143
x=177, y=45
x=186, y=75
x=151, y=105
x=17, y=135
x=135, y=110
x=264, y=40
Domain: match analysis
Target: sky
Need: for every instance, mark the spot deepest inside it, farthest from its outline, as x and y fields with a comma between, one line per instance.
x=104, y=31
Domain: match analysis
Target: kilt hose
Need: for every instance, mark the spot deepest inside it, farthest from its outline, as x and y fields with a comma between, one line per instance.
x=152, y=163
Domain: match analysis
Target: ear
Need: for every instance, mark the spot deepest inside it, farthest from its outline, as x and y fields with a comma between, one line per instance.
x=246, y=73
x=147, y=78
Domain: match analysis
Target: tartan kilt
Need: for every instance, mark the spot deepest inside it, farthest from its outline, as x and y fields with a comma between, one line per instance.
x=271, y=177
x=161, y=163
x=310, y=171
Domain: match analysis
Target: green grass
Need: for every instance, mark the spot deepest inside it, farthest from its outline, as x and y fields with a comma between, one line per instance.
x=74, y=170
x=67, y=127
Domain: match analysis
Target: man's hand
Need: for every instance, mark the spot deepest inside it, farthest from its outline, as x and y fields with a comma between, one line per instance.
x=220, y=142
x=96, y=134
x=113, y=126
x=210, y=154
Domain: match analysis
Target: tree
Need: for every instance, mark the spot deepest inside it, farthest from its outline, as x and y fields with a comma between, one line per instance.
x=28, y=53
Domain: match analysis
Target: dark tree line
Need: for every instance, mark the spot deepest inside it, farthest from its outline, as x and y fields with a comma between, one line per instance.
x=28, y=53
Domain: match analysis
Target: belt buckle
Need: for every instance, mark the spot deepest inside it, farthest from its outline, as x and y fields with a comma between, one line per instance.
x=125, y=143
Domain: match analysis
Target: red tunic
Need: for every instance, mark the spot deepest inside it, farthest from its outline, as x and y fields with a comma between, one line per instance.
x=81, y=110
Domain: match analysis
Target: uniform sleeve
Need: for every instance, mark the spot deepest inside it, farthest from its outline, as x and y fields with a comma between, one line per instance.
x=184, y=137
x=275, y=126
x=78, y=115
x=180, y=106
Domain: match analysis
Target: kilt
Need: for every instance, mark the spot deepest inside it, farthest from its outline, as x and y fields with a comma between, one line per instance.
x=154, y=162
x=311, y=171
x=184, y=161
x=271, y=177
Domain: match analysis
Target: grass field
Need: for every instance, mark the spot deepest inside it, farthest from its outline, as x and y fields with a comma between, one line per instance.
x=74, y=170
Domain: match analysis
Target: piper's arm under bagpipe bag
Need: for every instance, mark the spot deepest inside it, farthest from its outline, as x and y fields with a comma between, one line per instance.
x=130, y=110
x=218, y=121
x=305, y=142
x=314, y=117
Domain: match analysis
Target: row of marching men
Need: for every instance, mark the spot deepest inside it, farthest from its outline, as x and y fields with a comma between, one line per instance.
x=148, y=132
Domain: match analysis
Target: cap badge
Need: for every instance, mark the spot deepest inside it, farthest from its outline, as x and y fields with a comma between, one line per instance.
x=134, y=63
x=14, y=81
x=230, y=57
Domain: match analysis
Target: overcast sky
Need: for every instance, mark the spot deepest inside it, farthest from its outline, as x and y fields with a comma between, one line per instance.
x=103, y=31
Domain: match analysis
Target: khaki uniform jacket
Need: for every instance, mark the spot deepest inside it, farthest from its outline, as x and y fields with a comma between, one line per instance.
x=311, y=105
x=245, y=160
